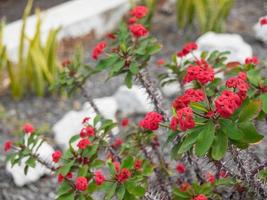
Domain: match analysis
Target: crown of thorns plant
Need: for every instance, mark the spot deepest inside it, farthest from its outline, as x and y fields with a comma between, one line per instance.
x=196, y=149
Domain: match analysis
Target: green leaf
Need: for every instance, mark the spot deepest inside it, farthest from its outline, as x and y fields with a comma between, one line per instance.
x=31, y=162
x=205, y=139
x=111, y=191
x=128, y=162
x=67, y=196
x=250, y=134
x=198, y=106
x=190, y=139
x=74, y=138
x=66, y=168
x=134, y=68
x=106, y=63
x=250, y=111
x=83, y=170
x=231, y=129
x=111, y=168
x=128, y=80
x=121, y=192
x=97, y=164
x=117, y=67
x=182, y=195
x=219, y=146
x=254, y=76
x=64, y=188
x=264, y=102
x=152, y=49
x=135, y=189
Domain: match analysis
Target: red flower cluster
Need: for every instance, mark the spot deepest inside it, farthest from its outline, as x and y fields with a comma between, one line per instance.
x=99, y=177
x=87, y=131
x=151, y=121
x=117, y=143
x=227, y=103
x=139, y=12
x=123, y=175
x=190, y=95
x=138, y=164
x=184, y=119
x=201, y=72
x=184, y=187
x=98, y=50
x=187, y=48
x=28, y=128
x=83, y=143
x=180, y=168
x=7, y=145
x=132, y=20
x=60, y=177
x=263, y=21
x=253, y=60
x=124, y=122
x=56, y=156
x=81, y=183
x=200, y=197
x=138, y=30
x=239, y=83
x=210, y=178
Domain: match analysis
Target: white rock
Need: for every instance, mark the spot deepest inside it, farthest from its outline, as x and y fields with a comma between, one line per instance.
x=171, y=89
x=71, y=123
x=134, y=100
x=234, y=43
x=34, y=174
x=261, y=31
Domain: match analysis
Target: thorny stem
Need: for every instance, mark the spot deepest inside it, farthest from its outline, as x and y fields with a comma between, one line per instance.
x=90, y=100
x=257, y=169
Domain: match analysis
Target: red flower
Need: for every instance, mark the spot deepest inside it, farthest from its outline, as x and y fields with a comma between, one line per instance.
x=200, y=197
x=138, y=30
x=117, y=166
x=98, y=50
x=187, y=48
x=139, y=11
x=240, y=83
x=85, y=120
x=151, y=121
x=227, y=103
x=184, y=187
x=138, y=164
x=7, y=145
x=28, y=128
x=210, y=178
x=83, y=143
x=132, y=20
x=174, y=123
x=60, y=177
x=117, y=143
x=66, y=62
x=253, y=60
x=160, y=61
x=111, y=36
x=99, y=177
x=123, y=175
x=81, y=183
x=201, y=72
x=185, y=118
x=263, y=21
x=87, y=132
x=124, y=122
x=180, y=168
x=223, y=174
x=56, y=156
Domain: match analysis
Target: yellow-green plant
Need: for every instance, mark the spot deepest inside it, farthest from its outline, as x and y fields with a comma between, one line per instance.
x=3, y=57
x=37, y=65
x=209, y=15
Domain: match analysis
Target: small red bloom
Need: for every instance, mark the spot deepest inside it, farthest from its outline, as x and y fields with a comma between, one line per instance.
x=139, y=11
x=117, y=143
x=85, y=120
x=210, y=178
x=200, y=197
x=132, y=20
x=60, y=177
x=160, y=61
x=81, y=183
x=151, y=121
x=138, y=164
x=253, y=60
x=123, y=175
x=83, y=143
x=263, y=21
x=66, y=62
x=187, y=48
x=56, y=156
x=87, y=132
x=223, y=174
x=99, y=177
x=124, y=122
x=138, y=30
x=7, y=145
x=111, y=36
x=28, y=128
x=174, y=123
x=98, y=50
x=180, y=168
x=117, y=166
x=185, y=118
x=184, y=187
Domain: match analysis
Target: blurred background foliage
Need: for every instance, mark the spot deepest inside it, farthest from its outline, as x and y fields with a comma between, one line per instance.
x=207, y=15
